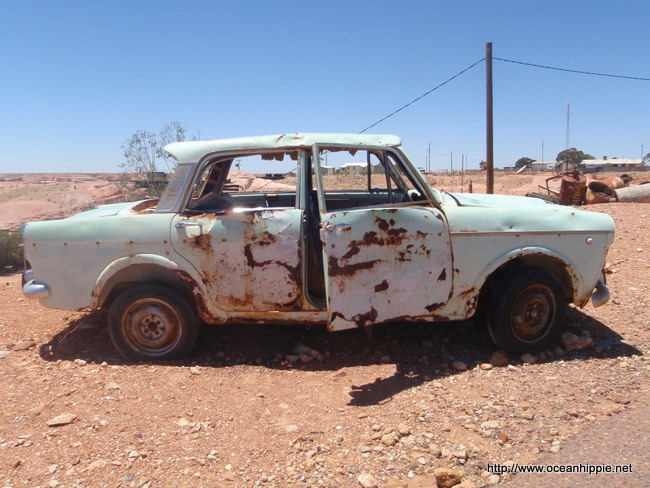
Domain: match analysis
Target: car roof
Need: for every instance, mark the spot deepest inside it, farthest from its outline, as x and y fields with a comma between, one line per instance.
x=191, y=151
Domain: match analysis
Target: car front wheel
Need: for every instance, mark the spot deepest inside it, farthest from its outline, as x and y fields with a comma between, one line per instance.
x=152, y=322
x=526, y=311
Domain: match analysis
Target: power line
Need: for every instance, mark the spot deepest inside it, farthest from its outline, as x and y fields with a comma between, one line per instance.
x=423, y=95
x=573, y=70
x=507, y=61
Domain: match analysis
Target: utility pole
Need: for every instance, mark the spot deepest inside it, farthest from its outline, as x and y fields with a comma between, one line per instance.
x=463, y=165
x=489, y=127
x=451, y=164
x=429, y=167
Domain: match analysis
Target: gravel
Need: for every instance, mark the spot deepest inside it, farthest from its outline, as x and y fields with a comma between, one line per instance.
x=422, y=405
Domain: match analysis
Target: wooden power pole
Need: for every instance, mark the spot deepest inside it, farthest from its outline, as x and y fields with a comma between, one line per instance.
x=489, y=136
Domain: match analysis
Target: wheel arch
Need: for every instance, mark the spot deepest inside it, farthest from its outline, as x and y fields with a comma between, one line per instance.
x=558, y=267
x=128, y=271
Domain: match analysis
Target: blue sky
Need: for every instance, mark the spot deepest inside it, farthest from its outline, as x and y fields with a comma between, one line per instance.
x=79, y=77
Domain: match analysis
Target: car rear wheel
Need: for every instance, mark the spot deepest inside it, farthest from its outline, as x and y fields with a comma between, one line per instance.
x=526, y=311
x=152, y=322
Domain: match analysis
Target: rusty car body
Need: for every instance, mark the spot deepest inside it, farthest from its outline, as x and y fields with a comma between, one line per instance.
x=348, y=252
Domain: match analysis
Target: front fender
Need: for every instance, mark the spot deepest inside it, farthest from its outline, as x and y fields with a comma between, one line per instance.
x=466, y=294
x=538, y=255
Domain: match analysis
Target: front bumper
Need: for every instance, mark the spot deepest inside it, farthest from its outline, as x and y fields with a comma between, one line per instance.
x=32, y=289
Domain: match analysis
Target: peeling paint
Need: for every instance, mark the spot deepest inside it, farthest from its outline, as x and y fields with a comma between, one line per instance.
x=381, y=286
x=376, y=269
x=250, y=261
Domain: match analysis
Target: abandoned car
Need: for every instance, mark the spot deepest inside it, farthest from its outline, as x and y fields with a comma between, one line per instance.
x=376, y=244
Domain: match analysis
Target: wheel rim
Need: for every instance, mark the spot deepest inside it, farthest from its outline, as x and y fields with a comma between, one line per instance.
x=533, y=312
x=152, y=326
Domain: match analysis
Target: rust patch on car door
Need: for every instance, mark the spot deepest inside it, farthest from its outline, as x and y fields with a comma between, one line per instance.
x=249, y=260
x=385, y=264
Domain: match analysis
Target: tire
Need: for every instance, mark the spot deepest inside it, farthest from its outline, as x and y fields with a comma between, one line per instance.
x=148, y=322
x=526, y=311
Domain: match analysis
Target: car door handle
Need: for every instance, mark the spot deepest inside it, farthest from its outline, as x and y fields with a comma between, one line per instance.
x=185, y=223
x=328, y=226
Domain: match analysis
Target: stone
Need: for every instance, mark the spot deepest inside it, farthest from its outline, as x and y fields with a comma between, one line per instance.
x=447, y=477
x=112, y=386
x=404, y=429
x=572, y=342
x=366, y=480
x=499, y=358
x=388, y=440
x=292, y=428
x=23, y=345
x=195, y=370
x=459, y=365
x=493, y=479
x=63, y=419
x=486, y=366
x=97, y=464
x=528, y=358
x=490, y=424
x=460, y=454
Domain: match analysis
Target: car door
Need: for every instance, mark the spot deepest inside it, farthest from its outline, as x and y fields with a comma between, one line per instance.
x=383, y=262
x=249, y=259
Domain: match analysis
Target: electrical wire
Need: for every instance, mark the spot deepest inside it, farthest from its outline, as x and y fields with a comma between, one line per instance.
x=507, y=61
x=572, y=70
x=423, y=95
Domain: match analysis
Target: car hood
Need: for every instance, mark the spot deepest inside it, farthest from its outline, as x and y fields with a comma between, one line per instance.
x=471, y=213
x=105, y=210
x=481, y=200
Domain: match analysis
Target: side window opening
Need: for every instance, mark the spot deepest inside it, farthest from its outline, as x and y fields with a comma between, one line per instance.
x=357, y=177
x=245, y=182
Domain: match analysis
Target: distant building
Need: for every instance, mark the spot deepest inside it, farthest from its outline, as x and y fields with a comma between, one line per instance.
x=539, y=166
x=613, y=163
x=359, y=169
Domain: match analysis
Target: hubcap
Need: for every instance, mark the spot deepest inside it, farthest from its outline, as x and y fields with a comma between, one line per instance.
x=532, y=312
x=151, y=325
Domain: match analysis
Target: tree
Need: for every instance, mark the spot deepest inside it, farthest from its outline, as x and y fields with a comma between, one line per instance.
x=143, y=153
x=11, y=254
x=572, y=156
x=521, y=162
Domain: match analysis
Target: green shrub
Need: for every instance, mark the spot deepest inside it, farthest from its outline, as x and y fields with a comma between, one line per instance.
x=11, y=254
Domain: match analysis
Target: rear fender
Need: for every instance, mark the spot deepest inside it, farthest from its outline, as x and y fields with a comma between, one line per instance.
x=141, y=267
